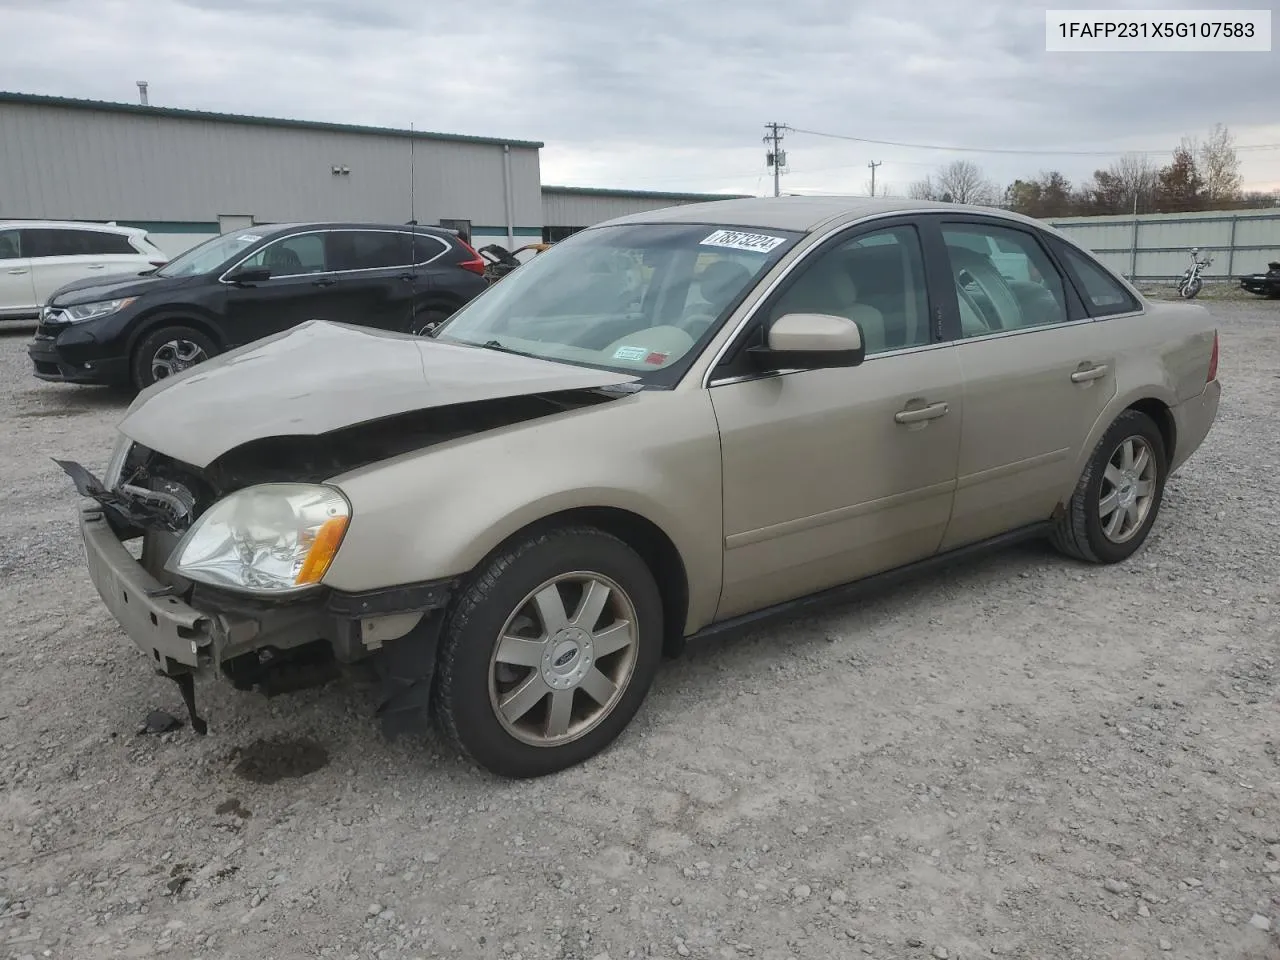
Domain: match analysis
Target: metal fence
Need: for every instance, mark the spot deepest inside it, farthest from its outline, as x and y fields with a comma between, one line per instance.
x=1157, y=246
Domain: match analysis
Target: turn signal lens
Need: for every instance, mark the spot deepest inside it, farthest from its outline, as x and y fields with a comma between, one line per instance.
x=323, y=549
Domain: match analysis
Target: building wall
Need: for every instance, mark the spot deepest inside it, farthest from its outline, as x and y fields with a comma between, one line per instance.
x=175, y=176
x=1240, y=241
x=573, y=208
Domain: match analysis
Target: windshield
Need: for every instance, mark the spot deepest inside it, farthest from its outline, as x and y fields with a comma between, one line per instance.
x=638, y=298
x=208, y=256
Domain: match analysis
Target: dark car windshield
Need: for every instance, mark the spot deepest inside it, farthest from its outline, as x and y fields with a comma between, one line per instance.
x=636, y=298
x=208, y=256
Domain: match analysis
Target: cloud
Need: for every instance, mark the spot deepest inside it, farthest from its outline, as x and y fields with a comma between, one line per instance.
x=659, y=94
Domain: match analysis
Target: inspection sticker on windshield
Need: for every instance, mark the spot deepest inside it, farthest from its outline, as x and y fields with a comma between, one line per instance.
x=751, y=242
x=633, y=354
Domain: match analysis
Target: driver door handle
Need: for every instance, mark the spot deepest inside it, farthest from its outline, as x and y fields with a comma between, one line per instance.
x=932, y=412
x=1090, y=373
x=17, y=272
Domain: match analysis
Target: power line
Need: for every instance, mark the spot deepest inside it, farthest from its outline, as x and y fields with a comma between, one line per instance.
x=1005, y=150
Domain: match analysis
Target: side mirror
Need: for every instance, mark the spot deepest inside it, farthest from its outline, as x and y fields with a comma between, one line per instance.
x=249, y=275
x=810, y=341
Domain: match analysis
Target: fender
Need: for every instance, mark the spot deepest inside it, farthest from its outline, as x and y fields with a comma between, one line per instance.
x=185, y=314
x=437, y=513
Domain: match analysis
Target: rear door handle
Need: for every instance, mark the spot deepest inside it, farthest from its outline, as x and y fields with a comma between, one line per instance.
x=323, y=283
x=407, y=277
x=16, y=273
x=1090, y=373
x=932, y=412
x=97, y=266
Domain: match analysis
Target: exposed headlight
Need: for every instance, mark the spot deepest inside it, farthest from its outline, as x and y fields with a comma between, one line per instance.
x=274, y=538
x=92, y=311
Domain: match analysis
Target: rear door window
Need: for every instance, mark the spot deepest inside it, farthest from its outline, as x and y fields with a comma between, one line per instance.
x=1011, y=287
x=62, y=242
x=379, y=249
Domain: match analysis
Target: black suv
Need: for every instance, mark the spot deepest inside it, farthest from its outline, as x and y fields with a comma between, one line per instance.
x=139, y=328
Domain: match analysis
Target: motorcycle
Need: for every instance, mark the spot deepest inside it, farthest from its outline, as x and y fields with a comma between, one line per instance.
x=1190, y=283
x=499, y=261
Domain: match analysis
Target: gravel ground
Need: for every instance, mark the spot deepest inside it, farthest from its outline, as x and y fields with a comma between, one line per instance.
x=1026, y=757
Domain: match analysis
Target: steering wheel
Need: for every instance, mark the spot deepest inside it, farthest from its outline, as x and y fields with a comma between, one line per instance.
x=696, y=324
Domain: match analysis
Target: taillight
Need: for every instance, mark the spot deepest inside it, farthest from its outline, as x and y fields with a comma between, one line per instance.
x=1213, y=360
x=477, y=263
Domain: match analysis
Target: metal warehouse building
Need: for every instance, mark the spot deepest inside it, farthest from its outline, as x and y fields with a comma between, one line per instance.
x=184, y=175
x=566, y=210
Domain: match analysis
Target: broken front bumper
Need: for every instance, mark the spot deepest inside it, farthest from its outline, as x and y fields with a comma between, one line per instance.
x=165, y=628
x=399, y=626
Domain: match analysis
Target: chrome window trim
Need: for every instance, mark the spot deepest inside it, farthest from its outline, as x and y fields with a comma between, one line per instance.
x=821, y=238
x=444, y=244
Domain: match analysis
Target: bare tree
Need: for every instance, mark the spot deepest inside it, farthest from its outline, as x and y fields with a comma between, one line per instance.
x=924, y=189
x=1219, y=166
x=966, y=183
x=1138, y=177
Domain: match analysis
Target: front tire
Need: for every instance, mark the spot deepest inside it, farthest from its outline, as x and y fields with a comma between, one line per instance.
x=168, y=351
x=1119, y=494
x=421, y=324
x=549, y=652
x=1189, y=291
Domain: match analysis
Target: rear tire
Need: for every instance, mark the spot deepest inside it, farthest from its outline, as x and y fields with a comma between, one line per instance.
x=1119, y=494
x=168, y=351
x=534, y=677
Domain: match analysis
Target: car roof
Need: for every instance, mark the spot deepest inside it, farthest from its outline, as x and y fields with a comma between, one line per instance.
x=71, y=225
x=803, y=214
x=271, y=229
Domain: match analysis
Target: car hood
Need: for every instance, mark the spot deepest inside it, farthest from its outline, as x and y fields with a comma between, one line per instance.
x=111, y=287
x=322, y=376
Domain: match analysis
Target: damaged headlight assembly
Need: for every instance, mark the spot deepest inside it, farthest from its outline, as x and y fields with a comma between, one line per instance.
x=92, y=311
x=273, y=538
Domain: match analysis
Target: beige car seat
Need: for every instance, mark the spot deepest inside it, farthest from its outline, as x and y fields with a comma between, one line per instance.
x=828, y=288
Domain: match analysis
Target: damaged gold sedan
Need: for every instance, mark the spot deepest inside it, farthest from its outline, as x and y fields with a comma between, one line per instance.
x=666, y=426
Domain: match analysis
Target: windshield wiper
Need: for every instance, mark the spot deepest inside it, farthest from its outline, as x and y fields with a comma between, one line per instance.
x=498, y=345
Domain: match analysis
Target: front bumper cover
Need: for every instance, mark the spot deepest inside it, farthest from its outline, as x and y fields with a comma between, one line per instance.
x=171, y=632
x=399, y=627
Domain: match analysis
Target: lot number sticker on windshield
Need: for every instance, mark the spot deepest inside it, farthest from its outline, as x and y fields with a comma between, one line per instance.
x=634, y=354
x=751, y=242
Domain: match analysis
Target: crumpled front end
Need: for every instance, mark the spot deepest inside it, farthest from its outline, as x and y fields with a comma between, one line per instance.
x=277, y=646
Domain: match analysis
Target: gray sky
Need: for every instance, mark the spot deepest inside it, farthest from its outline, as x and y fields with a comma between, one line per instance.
x=664, y=94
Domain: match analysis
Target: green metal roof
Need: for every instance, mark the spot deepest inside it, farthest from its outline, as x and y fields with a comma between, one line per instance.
x=640, y=194
x=137, y=109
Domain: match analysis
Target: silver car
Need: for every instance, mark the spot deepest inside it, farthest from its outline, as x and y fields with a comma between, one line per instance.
x=666, y=426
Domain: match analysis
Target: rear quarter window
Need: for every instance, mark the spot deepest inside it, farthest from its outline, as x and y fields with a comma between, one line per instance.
x=1103, y=294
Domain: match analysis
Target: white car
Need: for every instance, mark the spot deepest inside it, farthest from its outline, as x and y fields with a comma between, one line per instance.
x=39, y=256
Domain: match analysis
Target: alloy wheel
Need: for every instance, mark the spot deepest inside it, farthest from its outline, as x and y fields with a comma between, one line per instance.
x=564, y=659
x=174, y=356
x=1128, y=489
